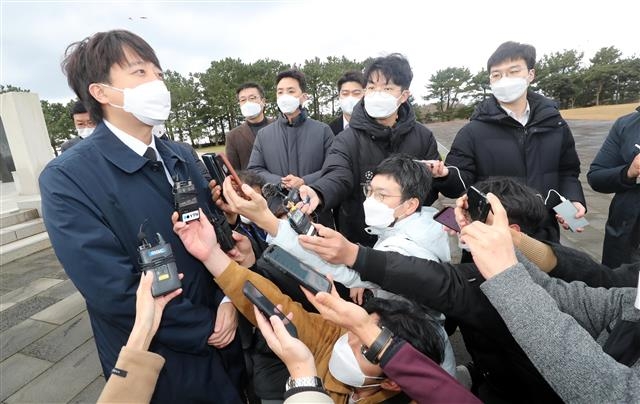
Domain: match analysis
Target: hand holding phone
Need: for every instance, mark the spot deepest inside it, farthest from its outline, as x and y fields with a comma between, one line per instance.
x=305, y=275
x=447, y=217
x=477, y=204
x=267, y=308
x=219, y=167
x=568, y=211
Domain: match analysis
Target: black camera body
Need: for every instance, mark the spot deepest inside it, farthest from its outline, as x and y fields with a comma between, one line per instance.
x=185, y=199
x=301, y=222
x=159, y=259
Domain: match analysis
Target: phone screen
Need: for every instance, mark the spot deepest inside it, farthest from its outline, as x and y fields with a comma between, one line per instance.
x=312, y=280
x=447, y=217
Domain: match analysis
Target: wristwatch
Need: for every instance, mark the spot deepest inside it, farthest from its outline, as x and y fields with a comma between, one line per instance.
x=371, y=353
x=310, y=381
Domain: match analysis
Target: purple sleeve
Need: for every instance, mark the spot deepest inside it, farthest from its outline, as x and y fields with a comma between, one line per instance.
x=421, y=378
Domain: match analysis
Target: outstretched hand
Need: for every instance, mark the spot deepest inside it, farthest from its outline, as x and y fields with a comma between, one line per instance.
x=198, y=236
x=330, y=245
x=491, y=245
x=293, y=352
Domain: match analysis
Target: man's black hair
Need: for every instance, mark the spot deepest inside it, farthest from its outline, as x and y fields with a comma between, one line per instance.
x=244, y=86
x=510, y=51
x=251, y=178
x=522, y=204
x=78, y=108
x=294, y=74
x=90, y=60
x=411, y=322
x=393, y=67
x=355, y=76
x=413, y=177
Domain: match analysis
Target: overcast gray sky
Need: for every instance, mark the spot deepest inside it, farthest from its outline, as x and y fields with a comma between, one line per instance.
x=188, y=35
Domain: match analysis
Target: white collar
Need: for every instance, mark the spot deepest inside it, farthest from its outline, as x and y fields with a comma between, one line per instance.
x=525, y=116
x=345, y=123
x=131, y=142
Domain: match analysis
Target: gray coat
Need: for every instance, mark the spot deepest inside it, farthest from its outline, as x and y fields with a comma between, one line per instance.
x=281, y=149
x=562, y=327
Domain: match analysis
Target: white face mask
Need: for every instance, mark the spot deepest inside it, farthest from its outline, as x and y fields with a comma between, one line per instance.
x=377, y=214
x=250, y=109
x=343, y=365
x=84, y=132
x=288, y=103
x=509, y=89
x=244, y=220
x=380, y=104
x=347, y=104
x=150, y=102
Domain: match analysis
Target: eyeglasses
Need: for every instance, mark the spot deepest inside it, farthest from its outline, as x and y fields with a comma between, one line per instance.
x=252, y=98
x=377, y=194
x=513, y=71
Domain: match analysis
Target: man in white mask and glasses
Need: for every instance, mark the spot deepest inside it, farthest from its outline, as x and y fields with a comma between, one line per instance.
x=113, y=191
x=381, y=125
x=516, y=133
x=239, y=141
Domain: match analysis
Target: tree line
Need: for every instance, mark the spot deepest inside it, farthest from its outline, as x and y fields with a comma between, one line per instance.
x=204, y=106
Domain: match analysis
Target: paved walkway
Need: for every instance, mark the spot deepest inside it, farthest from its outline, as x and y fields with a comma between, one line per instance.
x=47, y=352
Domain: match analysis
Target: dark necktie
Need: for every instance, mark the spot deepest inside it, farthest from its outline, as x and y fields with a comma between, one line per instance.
x=151, y=155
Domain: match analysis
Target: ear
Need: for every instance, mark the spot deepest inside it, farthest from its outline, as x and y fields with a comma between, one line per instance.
x=97, y=92
x=515, y=227
x=390, y=385
x=412, y=205
x=532, y=75
x=405, y=96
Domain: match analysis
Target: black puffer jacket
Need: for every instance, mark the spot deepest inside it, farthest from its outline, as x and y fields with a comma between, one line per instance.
x=354, y=155
x=608, y=173
x=541, y=154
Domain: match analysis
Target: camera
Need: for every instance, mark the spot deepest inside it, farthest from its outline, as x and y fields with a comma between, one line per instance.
x=300, y=222
x=185, y=199
x=159, y=259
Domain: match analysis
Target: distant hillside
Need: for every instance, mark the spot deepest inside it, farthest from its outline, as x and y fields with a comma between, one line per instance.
x=599, y=113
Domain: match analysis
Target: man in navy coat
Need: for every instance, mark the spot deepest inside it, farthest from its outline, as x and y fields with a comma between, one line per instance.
x=96, y=198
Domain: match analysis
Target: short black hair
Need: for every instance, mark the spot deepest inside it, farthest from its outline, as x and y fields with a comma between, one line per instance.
x=294, y=74
x=411, y=322
x=509, y=51
x=90, y=60
x=251, y=178
x=78, y=108
x=523, y=205
x=394, y=67
x=413, y=177
x=353, y=75
x=244, y=86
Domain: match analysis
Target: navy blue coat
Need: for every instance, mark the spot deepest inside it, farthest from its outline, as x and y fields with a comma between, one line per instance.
x=95, y=197
x=608, y=174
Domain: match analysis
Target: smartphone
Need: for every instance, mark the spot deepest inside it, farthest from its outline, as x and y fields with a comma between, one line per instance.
x=447, y=217
x=219, y=167
x=311, y=279
x=478, y=205
x=267, y=308
x=568, y=212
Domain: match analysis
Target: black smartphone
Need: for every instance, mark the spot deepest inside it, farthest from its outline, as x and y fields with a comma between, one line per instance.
x=447, y=217
x=479, y=206
x=267, y=308
x=305, y=275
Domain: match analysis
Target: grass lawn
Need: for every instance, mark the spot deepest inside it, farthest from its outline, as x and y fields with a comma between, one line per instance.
x=211, y=149
x=599, y=113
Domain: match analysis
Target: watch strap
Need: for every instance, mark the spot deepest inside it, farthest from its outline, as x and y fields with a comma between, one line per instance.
x=371, y=353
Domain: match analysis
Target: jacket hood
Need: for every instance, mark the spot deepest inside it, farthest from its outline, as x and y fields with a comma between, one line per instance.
x=542, y=108
x=418, y=235
x=360, y=120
